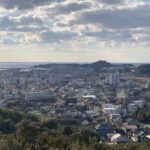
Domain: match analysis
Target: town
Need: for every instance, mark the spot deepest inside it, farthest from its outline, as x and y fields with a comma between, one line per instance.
x=114, y=100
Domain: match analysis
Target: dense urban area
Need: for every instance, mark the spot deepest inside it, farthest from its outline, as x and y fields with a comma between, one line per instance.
x=95, y=106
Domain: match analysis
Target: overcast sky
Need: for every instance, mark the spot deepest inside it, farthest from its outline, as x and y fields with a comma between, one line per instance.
x=74, y=30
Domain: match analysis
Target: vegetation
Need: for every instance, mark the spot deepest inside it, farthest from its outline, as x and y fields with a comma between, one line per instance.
x=23, y=131
x=142, y=116
x=96, y=66
x=144, y=69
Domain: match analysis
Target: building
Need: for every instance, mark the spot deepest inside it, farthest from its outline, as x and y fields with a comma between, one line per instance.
x=114, y=79
x=38, y=95
x=122, y=94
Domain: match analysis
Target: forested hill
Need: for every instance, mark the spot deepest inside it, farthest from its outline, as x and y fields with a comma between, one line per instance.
x=95, y=65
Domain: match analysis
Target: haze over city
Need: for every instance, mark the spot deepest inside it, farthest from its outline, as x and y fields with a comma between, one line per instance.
x=74, y=31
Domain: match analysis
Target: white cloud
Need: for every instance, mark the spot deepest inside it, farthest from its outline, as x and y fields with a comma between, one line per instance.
x=82, y=23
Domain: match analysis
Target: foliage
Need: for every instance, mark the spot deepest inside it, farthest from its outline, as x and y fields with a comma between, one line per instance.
x=144, y=69
x=50, y=124
x=51, y=135
x=68, y=131
x=142, y=116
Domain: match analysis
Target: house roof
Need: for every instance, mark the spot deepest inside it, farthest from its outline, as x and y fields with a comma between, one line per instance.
x=103, y=125
x=148, y=136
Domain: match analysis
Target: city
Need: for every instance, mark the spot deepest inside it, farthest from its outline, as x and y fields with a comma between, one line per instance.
x=108, y=98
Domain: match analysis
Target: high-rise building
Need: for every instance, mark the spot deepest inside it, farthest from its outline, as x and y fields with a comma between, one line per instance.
x=147, y=83
x=114, y=79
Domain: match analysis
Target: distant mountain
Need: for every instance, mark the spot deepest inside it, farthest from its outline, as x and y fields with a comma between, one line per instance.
x=96, y=65
x=102, y=64
x=99, y=65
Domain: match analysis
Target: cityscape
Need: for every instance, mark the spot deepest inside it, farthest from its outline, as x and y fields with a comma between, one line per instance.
x=112, y=99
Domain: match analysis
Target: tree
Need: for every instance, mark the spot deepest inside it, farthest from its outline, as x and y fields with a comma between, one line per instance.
x=27, y=132
x=68, y=131
x=50, y=124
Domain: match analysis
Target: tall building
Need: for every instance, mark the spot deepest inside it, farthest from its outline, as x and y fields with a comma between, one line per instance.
x=114, y=79
x=147, y=83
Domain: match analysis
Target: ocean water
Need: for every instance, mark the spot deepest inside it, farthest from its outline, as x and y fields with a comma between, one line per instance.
x=24, y=65
x=10, y=65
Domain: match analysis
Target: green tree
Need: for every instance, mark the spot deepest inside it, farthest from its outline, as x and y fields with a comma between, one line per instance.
x=27, y=132
x=68, y=131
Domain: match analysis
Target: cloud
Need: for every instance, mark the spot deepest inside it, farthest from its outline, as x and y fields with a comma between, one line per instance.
x=116, y=18
x=97, y=21
x=111, y=2
x=51, y=36
x=21, y=24
x=70, y=7
x=25, y=4
x=27, y=20
x=6, y=23
x=9, y=41
x=106, y=35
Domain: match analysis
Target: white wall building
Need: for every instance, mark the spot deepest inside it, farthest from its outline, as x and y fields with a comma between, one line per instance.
x=109, y=109
x=114, y=79
x=38, y=95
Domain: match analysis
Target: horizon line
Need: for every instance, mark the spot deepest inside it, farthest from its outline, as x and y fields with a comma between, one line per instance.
x=71, y=62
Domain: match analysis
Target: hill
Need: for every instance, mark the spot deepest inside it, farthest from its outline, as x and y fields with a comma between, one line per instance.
x=101, y=63
x=96, y=65
x=144, y=69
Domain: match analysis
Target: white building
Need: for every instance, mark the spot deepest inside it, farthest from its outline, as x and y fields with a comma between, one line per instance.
x=147, y=83
x=132, y=108
x=122, y=94
x=114, y=79
x=109, y=109
x=38, y=95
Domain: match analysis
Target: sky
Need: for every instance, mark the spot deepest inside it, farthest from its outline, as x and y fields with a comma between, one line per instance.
x=75, y=30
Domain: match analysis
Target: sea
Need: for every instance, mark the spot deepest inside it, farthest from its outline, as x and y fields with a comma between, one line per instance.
x=21, y=65
x=26, y=65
